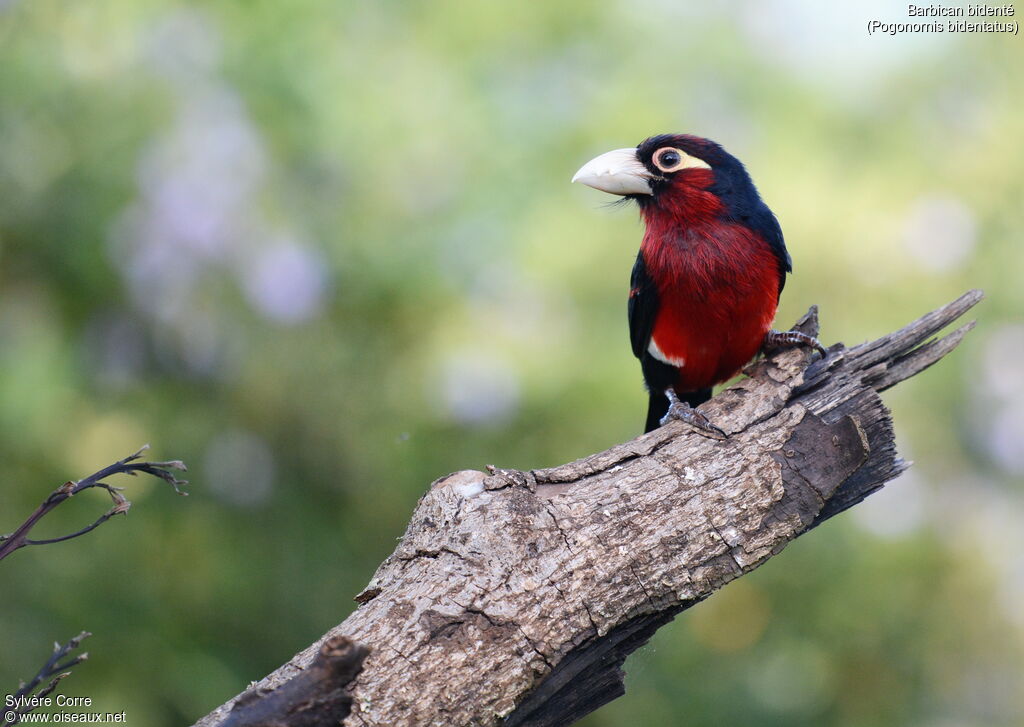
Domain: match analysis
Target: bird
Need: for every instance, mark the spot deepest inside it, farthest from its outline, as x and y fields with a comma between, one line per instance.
x=709, y=273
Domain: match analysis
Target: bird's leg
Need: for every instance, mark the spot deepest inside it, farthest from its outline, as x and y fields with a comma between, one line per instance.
x=787, y=339
x=685, y=413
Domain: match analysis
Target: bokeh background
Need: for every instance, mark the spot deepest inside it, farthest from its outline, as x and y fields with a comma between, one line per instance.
x=326, y=252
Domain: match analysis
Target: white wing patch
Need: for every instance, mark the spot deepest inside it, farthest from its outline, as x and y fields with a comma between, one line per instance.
x=652, y=348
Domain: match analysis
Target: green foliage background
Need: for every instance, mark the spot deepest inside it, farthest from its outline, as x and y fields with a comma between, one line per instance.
x=326, y=252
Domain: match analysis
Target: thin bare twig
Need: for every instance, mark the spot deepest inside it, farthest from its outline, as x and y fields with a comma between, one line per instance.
x=55, y=670
x=127, y=466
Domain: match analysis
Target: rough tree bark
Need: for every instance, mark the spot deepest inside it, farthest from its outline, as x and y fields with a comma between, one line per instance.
x=514, y=597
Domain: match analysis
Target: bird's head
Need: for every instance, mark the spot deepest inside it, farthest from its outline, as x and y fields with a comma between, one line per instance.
x=676, y=173
x=679, y=180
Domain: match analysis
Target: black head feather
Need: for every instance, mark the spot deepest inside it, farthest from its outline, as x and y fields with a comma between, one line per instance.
x=732, y=185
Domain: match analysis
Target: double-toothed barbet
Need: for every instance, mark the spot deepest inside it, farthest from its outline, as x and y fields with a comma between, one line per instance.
x=709, y=274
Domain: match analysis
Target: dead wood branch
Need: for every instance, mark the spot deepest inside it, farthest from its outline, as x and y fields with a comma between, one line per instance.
x=514, y=597
x=127, y=466
x=56, y=668
x=316, y=696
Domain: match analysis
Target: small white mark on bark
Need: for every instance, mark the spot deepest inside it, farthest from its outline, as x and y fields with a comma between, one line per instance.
x=470, y=489
x=730, y=535
x=466, y=483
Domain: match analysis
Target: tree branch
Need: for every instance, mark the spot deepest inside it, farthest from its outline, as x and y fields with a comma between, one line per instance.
x=128, y=466
x=316, y=696
x=55, y=670
x=515, y=596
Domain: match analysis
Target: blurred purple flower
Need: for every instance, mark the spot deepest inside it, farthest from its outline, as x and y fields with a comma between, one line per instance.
x=286, y=282
x=1005, y=437
x=477, y=388
x=198, y=214
x=1003, y=348
x=999, y=407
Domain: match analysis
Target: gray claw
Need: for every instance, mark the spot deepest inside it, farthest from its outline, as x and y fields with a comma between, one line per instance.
x=681, y=411
x=784, y=339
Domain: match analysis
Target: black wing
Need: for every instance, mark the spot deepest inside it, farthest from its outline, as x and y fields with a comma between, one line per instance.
x=761, y=220
x=768, y=226
x=643, y=307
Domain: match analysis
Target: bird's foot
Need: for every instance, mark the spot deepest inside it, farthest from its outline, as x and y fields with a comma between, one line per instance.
x=788, y=339
x=683, y=412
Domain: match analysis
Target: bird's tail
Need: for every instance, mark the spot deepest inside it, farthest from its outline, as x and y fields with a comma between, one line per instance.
x=658, y=406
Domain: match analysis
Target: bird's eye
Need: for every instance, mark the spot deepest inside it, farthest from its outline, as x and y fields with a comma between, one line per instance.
x=669, y=159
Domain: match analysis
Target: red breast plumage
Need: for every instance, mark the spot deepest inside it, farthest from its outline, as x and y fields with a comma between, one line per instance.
x=717, y=283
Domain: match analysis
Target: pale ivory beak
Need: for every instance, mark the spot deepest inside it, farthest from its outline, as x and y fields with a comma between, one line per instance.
x=616, y=172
